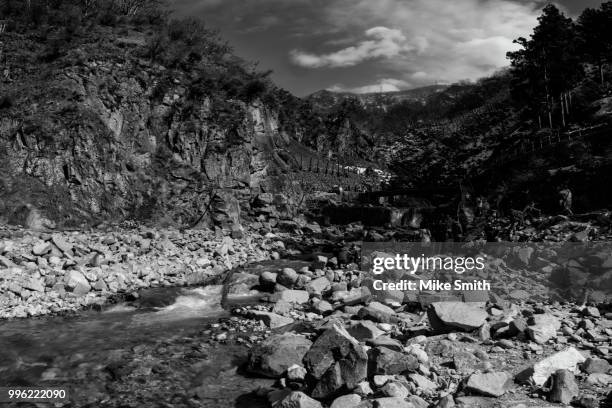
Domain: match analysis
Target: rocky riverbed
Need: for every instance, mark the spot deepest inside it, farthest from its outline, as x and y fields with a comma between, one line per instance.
x=304, y=331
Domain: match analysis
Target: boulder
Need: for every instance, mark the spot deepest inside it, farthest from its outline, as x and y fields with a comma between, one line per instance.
x=539, y=373
x=489, y=384
x=394, y=389
x=595, y=365
x=364, y=330
x=387, y=361
x=564, y=387
x=338, y=356
x=267, y=279
x=41, y=249
x=62, y=244
x=318, y=286
x=377, y=312
x=542, y=327
x=287, y=277
x=422, y=382
x=277, y=353
x=76, y=282
x=444, y=316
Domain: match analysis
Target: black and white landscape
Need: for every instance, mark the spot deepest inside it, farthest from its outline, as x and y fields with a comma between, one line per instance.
x=192, y=193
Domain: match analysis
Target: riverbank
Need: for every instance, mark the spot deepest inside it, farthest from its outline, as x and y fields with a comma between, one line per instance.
x=54, y=272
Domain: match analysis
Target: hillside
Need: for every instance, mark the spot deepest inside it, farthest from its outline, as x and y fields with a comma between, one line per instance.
x=110, y=116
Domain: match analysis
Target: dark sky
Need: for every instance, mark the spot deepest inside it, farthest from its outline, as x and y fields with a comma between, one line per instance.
x=372, y=45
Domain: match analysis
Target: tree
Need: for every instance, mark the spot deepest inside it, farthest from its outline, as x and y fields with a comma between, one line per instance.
x=595, y=35
x=547, y=66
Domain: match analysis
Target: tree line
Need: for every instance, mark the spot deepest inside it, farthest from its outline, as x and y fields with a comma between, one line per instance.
x=557, y=71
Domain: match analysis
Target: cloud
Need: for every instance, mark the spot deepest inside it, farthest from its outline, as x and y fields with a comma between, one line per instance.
x=384, y=85
x=425, y=41
x=383, y=42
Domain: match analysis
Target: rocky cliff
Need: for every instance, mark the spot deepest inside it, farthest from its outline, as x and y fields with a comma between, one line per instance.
x=96, y=130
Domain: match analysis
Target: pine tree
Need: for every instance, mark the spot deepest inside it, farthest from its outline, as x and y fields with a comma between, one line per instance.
x=595, y=36
x=547, y=66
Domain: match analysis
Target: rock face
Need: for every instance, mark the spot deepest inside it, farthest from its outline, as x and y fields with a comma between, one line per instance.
x=456, y=315
x=145, y=146
x=336, y=359
x=276, y=354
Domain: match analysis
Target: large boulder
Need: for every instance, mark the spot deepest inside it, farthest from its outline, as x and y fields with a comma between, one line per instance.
x=336, y=359
x=445, y=316
x=539, y=373
x=489, y=384
x=277, y=353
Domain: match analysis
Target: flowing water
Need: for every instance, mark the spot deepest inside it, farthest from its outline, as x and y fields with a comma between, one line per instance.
x=56, y=350
x=30, y=347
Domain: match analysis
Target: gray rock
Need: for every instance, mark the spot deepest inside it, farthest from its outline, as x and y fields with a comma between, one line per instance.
x=34, y=284
x=41, y=249
x=542, y=327
x=392, y=402
x=319, y=262
x=76, y=282
x=364, y=330
x=346, y=401
x=293, y=296
x=422, y=382
x=595, y=365
x=377, y=312
x=339, y=356
x=475, y=402
x=62, y=244
x=318, y=286
x=277, y=353
x=323, y=307
x=394, y=389
x=298, y=399
x=446, y=402
x=267, y=279
x=287, y=277
x=387, y=361
x=456, y=315
x=272, y=320
x=489, y=384
x=539, y=373
x=564, y=387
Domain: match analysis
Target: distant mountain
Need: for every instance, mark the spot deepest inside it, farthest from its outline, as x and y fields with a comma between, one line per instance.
x=326, y=99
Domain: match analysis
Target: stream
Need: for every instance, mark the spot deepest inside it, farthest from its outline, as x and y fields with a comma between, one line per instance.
x=52, y=351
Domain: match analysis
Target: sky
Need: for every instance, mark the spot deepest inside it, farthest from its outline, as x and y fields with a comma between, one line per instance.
x=372, y=45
